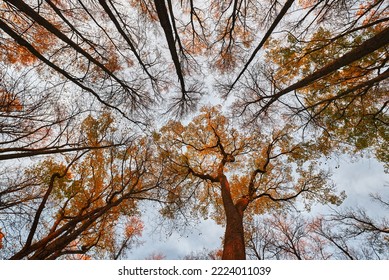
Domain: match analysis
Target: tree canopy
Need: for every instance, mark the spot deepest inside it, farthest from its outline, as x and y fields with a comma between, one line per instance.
x=215, y=164
x=225, y=109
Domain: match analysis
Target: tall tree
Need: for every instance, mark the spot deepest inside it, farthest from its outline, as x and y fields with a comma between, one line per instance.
x=311, y=67
x=210, y=163
x=334, y=79
x=80, y=206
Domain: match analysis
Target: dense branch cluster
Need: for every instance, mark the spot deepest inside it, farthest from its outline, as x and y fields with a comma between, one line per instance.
x=101, y=107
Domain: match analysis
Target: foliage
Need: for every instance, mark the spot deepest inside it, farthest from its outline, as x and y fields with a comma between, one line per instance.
x=88, y=89
x=88, y=206
x=209, y=163
x=347, y=104
x=259, y=162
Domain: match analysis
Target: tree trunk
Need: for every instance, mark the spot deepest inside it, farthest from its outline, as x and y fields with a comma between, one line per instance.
x=234, y=246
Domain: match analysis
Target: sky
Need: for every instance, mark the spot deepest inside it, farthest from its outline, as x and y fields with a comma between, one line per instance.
x=359, y=179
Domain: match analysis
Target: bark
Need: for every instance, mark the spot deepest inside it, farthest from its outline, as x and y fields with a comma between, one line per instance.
x=168, y=30
x=234, y=245
x=56, y=241
x=26, y=152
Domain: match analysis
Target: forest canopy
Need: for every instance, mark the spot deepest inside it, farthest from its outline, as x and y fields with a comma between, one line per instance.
x=203, y=109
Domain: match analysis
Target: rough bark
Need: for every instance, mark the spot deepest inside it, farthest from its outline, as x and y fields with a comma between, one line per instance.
x=234, y=245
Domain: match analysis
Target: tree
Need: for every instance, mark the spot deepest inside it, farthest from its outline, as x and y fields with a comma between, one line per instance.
x=224, y=31
x=286, y=236
x=348, y=233
x=156, y=256
x=85, y=205
x=331, y=78
x=41, y=114
x=214, y=164
x=348, y=104
x=97, y=76
x=310, y=68
x=204, y=254
x=33, y=120
x=354, y=233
